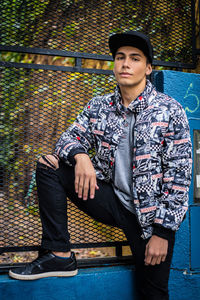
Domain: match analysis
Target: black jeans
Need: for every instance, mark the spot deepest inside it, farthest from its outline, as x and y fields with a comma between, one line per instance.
x=53, y=187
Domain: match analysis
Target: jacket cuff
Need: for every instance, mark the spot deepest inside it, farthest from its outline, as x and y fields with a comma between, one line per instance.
x=163, y=232
x=72, y=153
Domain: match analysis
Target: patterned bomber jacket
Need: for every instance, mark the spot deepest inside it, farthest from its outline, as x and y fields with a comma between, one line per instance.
x=162, y=153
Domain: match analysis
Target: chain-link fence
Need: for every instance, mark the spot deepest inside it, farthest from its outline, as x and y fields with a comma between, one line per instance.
x=84, y=26
x=38, y=106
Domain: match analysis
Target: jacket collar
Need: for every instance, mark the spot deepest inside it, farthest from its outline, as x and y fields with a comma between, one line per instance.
x=139, y=103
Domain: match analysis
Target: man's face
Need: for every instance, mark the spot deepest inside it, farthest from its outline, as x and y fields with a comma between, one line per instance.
x=131, y=67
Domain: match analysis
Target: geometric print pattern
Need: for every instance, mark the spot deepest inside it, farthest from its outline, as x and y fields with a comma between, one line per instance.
x=144, y=188
x=161, y=145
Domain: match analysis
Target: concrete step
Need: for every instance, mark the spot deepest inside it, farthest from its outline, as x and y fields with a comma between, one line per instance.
x=106, y=283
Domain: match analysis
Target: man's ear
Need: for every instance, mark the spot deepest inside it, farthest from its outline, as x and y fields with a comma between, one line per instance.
x=148, y=69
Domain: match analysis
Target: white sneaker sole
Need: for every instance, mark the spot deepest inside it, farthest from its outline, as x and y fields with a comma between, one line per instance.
x=43, y=275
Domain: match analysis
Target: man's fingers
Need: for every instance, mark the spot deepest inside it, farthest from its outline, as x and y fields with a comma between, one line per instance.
x=85, y=176
x=148, y=260
x=76, y=183
x=89, y=185
x=92, y=187
x=163, y=258
x=148, y=256
x=156, y=260
x=86, y=185
x=80, y=186
x=153, y=260
x=159, y=260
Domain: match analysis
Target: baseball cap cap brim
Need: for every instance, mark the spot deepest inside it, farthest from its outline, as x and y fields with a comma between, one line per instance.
x=134, y=39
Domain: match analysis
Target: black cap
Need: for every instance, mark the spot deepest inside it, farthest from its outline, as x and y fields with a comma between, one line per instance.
x=131, y=38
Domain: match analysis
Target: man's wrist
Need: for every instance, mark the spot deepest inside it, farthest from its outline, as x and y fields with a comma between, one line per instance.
x=163, y=232
x=72, y=154
x=79, y=155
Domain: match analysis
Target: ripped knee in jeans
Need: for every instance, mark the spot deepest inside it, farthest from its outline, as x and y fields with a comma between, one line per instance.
x=51, y=160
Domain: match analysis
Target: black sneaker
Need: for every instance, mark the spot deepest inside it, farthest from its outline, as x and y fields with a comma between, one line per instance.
x=47, y=265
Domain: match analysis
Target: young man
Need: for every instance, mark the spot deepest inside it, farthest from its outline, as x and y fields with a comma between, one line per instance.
x=138, y=179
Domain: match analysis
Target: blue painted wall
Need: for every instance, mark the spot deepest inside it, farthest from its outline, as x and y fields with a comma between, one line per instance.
x=184, y=283
x=184, y=87
x=108, y=283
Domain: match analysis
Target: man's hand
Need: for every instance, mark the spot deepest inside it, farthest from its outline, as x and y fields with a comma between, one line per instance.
x=156, y=251
x=85, y=176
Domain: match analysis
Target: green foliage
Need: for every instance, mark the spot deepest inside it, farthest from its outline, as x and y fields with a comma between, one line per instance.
x=11, y=111
x=55, y=24
x=16, y=17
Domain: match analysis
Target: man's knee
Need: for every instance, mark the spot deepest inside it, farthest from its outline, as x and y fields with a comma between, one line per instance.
x=50, y=160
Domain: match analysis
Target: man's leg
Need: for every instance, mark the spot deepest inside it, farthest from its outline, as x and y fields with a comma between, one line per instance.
x=54, y=184
x=53, y=209
x=151, y=281
x=52, y=203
